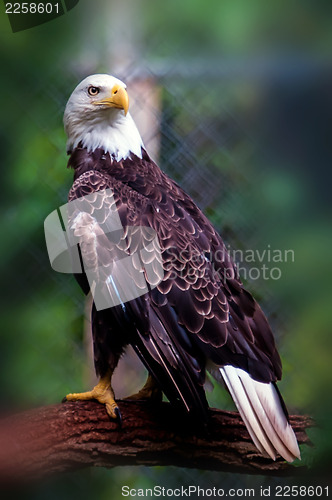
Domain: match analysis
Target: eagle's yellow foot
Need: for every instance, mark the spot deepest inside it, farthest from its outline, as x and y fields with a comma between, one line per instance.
x=150, y=391
x=103, y=393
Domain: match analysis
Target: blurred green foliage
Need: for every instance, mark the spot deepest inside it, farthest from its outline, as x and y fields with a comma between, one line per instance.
x=270, y=154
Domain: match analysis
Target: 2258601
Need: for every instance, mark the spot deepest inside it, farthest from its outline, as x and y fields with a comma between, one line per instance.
x=32, y=8
x=301, y=491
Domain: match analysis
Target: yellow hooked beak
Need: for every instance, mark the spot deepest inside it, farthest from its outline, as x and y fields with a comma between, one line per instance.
x=118, y=99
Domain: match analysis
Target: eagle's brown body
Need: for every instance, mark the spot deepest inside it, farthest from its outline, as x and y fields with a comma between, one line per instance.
x=199, y=311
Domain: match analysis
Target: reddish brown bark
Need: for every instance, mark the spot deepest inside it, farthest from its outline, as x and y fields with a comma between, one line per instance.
x=73, y=435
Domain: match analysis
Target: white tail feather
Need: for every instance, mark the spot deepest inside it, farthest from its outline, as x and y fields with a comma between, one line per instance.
x=261, y=410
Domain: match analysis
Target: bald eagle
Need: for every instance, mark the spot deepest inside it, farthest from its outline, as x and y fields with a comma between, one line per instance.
x=197, y=316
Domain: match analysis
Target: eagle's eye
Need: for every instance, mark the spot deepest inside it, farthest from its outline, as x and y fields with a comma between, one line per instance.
x=93, y=90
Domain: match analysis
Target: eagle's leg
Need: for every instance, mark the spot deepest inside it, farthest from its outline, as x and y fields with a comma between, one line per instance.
x=103, y=393
x=150, y=390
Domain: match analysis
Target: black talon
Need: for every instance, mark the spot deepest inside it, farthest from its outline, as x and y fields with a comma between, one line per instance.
x=118, y=416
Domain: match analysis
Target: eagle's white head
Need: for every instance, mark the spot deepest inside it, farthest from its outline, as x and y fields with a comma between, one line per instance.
x=96, y=115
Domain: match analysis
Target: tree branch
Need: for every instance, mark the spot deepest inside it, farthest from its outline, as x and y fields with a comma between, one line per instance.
x=64, y=437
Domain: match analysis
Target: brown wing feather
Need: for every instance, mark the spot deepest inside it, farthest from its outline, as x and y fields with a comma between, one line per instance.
x=179, y=369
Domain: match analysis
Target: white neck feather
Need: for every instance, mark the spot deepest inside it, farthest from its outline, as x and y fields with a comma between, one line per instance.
x=115, y=134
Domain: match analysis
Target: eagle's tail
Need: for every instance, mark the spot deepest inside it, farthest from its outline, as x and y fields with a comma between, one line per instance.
x=261, y=408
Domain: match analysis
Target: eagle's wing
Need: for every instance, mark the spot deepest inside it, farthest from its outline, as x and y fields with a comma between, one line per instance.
x=179, y=368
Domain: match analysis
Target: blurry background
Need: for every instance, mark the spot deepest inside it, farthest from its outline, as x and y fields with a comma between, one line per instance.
x=233, y=99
